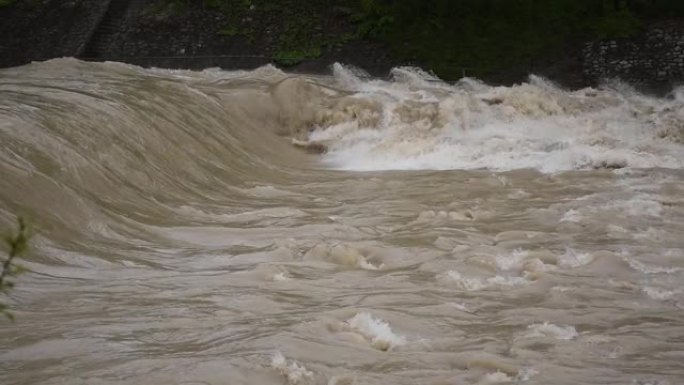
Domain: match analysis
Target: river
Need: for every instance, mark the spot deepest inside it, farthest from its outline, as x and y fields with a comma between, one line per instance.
x=259, y=227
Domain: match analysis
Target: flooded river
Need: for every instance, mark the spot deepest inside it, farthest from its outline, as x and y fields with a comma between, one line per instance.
x=267, y=228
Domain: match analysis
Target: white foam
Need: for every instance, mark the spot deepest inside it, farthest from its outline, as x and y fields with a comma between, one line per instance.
x=376, y=330
x=571, y=215
x=476, y=283
x=497, y=377
x=460, y=306
x=550, y=330
x=344, y=255
x=364, y=264
x=616, y=231
x=512, y=261
x=428, y=124
x=638, y=206
x=572, y=259
x=562, y=289
x=349, y=76
x=282, y=276
x=651, y=234
x=526, y=373
x=293, y=371
x=658, y=293
x=650, y=269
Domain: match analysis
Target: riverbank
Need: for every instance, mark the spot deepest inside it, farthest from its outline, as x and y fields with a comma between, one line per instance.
x=309, y=36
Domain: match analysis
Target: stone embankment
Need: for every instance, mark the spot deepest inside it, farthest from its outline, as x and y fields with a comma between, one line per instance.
x=131, y=31
x=651, y=60
x=29, y=32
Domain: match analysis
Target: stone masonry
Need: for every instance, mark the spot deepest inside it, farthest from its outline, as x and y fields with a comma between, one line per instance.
x=651, y=60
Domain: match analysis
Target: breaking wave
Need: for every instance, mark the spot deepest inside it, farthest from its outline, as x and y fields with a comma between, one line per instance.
x=99, y=134
x=418, y=122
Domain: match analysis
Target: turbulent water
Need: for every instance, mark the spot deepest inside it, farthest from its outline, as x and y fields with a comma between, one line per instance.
x=264, y=228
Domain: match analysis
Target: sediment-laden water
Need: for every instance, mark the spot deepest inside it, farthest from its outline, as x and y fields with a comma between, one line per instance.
x=266, y=228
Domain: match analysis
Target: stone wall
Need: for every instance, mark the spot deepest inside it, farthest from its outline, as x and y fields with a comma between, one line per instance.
x=195, y=32
x=198, y=37
x=54, y=28
x=204, y=37
x=201, y=37
x=652, y=60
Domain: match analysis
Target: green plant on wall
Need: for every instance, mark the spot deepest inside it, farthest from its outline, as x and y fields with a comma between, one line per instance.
x=295, y=56
x=617, y=24
x=302, y=39
x=18, y=244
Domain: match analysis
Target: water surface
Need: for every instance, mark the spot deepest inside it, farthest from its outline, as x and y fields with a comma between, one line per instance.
x=266, y=228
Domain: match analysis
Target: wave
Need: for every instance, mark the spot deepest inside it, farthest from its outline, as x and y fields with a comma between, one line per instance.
x=415, y=121
x=111, y=146
x=108, y=146
x=192, y=225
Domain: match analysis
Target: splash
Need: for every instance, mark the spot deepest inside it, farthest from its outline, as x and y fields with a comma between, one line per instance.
x=478, y=283
x=376, y=330
x=416, y=121
x=294, y=372
x=550, y=330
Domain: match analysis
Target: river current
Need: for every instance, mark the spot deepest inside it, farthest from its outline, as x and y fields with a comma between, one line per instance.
x=259, y=227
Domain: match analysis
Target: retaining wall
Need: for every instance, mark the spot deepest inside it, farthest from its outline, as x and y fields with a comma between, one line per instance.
x=653, y=59
x=57, y=28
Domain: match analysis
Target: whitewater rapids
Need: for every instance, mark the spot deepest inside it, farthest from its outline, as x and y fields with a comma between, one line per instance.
x=259, y=227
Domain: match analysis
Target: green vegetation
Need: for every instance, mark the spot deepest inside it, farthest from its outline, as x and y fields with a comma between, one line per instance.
x=446, y=36
x=302, y=38
x=4, y=3
x=295, y=56
x=17, y=243
x=485, y=36
x=298, y=29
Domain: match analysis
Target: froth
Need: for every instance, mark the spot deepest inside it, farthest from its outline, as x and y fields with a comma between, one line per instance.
x=416, y=121
x=550, y=330
x=293, y=371
x=477, y=283
x=496, y=378
x=571, y=215
x=344, y=255
x=572, y=259
x=659, y=294
x=376, y=330
x=650, y=269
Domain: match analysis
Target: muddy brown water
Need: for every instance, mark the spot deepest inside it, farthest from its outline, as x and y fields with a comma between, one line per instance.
x=440, y=238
